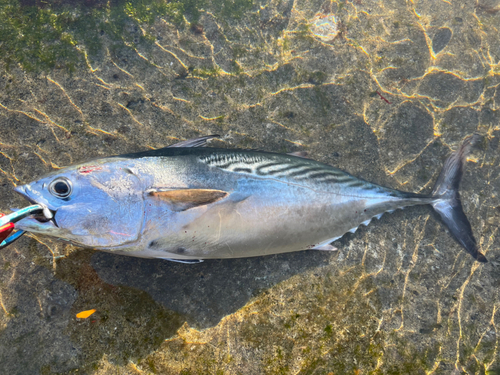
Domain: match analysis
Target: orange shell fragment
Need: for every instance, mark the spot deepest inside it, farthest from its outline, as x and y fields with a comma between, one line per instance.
x=85, y=314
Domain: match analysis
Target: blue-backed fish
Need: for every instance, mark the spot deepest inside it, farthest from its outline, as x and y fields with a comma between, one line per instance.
x=187, y=203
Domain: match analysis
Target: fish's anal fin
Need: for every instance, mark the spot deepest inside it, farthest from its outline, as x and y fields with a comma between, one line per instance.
x=184, y=261
x=184, y=199
x=325, y=247
x=194, y=142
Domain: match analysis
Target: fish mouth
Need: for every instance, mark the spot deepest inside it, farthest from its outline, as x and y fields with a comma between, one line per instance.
x=44, y=215
x=41, y=218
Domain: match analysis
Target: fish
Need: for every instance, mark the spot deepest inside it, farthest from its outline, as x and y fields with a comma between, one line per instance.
x=187, y=203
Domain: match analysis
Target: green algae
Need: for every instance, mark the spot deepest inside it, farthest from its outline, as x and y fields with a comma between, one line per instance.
x=63, y=34
x=206, y=73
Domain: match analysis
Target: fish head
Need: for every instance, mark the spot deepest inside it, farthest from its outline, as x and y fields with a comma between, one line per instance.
x=99, y=206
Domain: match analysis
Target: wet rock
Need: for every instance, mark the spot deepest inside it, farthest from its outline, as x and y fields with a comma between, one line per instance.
x=441, y=39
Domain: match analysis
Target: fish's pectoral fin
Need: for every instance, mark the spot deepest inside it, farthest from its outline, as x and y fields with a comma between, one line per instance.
x=194, y=142
x=184, y=199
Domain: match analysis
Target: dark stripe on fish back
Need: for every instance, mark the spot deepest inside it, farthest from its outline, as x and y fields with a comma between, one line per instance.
x=287, y=168
x=242, y=170
x=305, y=172
x=261, y=166
x=357, y=183
x=329, y=175
x=260, y=169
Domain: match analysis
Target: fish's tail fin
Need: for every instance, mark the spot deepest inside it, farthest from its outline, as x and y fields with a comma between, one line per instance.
x=447, y=203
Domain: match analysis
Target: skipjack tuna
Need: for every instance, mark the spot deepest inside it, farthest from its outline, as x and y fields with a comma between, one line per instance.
x=187, y=203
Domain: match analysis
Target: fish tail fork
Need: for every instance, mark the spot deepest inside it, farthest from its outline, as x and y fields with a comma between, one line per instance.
x=447, y=203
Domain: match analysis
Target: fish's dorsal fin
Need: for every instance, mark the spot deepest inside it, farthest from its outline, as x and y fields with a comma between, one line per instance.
x=184, y=199
x=194, y=142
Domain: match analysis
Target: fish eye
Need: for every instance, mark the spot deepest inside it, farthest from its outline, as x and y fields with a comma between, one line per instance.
x=60, y=188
